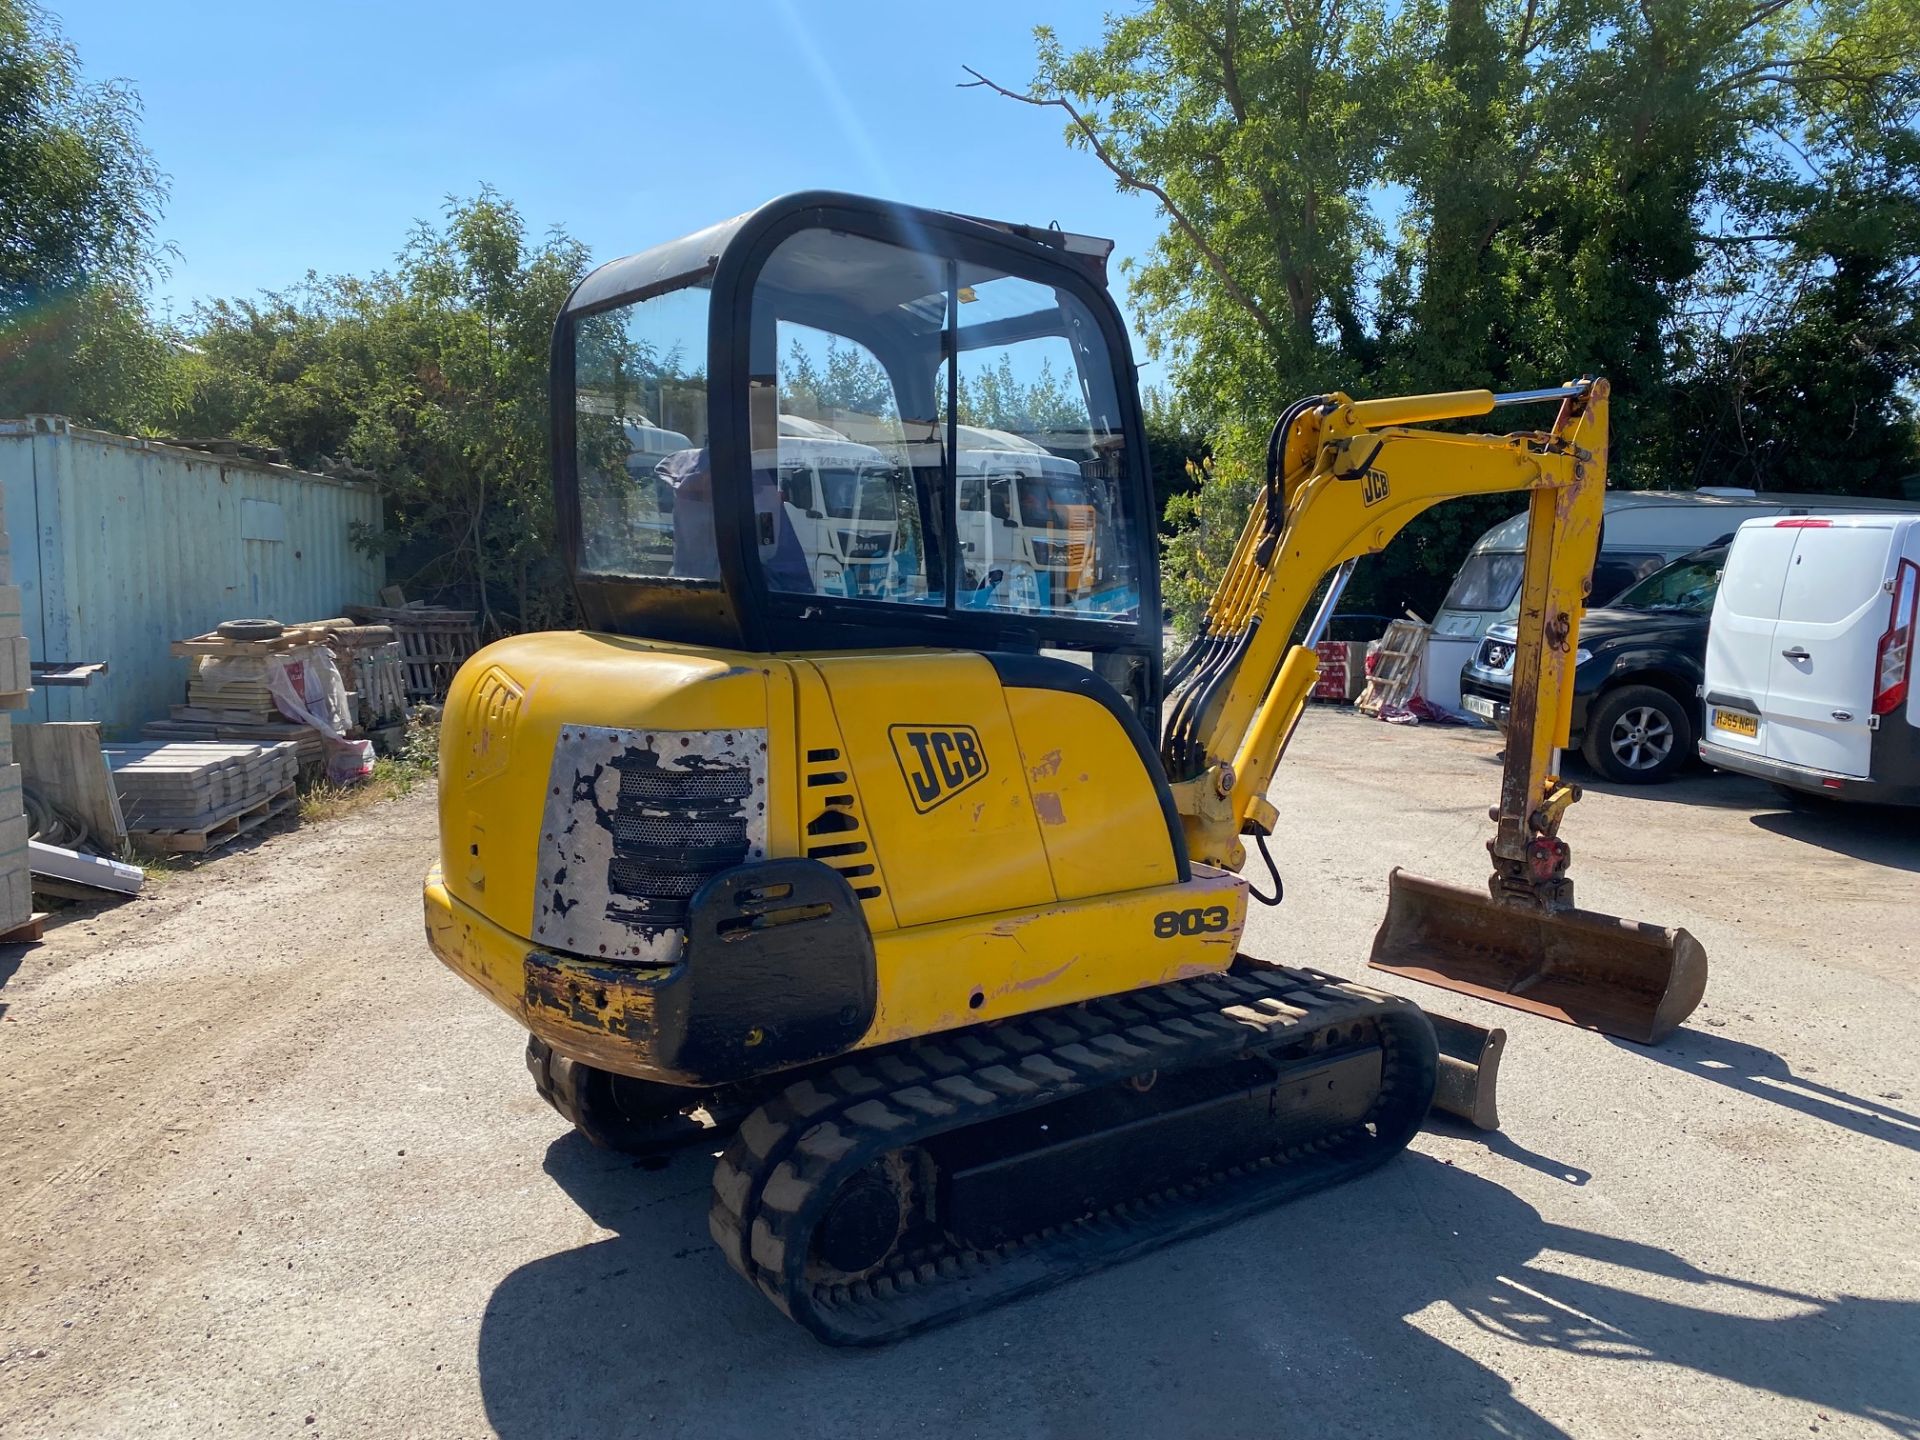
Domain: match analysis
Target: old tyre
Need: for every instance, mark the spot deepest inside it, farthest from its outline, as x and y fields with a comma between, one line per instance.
x=250, y=630
x=615, y=1112
x=1638, y=734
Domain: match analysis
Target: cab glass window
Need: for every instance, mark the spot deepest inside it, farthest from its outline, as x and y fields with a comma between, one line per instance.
x=837, y=501
x=640, y=439
x=1043, y=520
x=955, y=428
x=848, y=463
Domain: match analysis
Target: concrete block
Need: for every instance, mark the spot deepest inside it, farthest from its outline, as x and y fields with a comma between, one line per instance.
x=13, y=837
x=6, y=738
x=9, y=609
x=11, y=803
x=16, y=669
x=16, y=896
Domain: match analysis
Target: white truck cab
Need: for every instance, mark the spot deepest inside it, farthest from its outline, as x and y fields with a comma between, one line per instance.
x=1028, y=521
x=843, y=501
x=1810, y=654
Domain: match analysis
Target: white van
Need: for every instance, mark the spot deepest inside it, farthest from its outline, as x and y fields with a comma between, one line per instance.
x=1809, y=654
x=1643, y=530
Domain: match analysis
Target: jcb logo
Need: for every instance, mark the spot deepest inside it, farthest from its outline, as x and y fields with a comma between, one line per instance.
x=938, y=761
x=1373, y=487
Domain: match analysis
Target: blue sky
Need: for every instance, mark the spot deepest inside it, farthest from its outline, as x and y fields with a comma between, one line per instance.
x=310, y=136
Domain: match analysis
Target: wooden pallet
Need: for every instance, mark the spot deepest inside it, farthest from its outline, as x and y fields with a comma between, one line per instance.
x=1396, y=666
x=217, y=832
x=434, y=644
x=214, y=644
x=28, y=933
x=377, y=674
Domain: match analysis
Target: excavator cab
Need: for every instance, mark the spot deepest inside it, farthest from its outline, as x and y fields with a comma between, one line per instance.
x=982, y=366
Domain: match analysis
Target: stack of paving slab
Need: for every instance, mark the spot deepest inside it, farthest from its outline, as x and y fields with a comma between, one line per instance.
x=227, y=693
x=16, y=685
x=189, y=796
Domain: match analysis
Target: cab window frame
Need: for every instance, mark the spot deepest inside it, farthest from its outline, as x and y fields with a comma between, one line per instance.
x=788, y=620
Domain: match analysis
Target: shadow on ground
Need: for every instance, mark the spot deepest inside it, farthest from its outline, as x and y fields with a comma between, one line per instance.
x=1695, y=785
x=1764, y=1075
x=1877, y=834
x=1293, y=1323
x=11, y=957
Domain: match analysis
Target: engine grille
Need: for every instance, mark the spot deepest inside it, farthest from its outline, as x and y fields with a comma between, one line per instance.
x=672, y=829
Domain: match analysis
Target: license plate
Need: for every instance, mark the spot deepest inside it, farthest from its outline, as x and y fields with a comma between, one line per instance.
x=1478, y=705
x=1737, y=721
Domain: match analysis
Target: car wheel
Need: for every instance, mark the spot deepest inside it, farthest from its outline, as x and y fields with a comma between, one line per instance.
x=1638, y=734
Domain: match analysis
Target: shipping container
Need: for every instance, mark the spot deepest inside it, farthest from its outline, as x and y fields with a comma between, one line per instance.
x=121, y=546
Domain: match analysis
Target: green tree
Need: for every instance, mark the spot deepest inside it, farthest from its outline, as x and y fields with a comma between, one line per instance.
x=432, y=379
x=1257, y=125
x=1178, y=450
x=1442, y=194
x=994, y=395
x=79, y=197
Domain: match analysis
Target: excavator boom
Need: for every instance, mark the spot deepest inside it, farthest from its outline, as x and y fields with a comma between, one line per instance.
x=1344, y=477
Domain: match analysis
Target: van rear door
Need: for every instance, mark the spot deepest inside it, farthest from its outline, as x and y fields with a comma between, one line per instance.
x=1746, y=613
x=1833, y=609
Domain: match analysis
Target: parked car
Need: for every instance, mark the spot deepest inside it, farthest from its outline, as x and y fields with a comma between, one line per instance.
x=1643, y=530
x=1636, y=672
x=1810, y=657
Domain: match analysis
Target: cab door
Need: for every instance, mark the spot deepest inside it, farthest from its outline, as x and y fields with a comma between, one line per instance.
x=1833, y=609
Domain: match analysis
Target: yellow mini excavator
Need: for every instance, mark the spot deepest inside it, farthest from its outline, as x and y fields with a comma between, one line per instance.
x=859, y=856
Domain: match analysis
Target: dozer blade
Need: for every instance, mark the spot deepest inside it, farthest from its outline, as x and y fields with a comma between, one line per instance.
x=1466, y=1086
x=1596, y=971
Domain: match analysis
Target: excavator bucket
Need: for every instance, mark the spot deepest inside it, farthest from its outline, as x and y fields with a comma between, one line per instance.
x=1596, y=971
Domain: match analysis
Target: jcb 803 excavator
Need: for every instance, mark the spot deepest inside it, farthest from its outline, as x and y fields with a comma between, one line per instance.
x=919, y=916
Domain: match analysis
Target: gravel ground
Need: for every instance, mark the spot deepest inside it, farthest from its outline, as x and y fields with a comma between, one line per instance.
x=268, y=1170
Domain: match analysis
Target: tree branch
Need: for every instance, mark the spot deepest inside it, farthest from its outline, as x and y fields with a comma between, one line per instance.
x=1132, y=180
x=1525, y=45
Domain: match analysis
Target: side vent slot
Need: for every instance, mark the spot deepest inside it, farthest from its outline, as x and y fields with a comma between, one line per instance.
x=837, y=836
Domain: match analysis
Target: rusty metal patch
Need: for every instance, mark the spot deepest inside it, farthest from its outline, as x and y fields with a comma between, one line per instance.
x=635, y=822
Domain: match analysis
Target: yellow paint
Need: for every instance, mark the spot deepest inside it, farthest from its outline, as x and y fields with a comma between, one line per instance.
x=1352, y=478
x=1109, y=836
x=977, y=848
x=576, y=679
x=1033, y=884
x=1056, y=955
x=818, y=733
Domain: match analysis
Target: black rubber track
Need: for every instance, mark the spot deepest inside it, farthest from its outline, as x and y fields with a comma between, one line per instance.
x=776, y=1179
